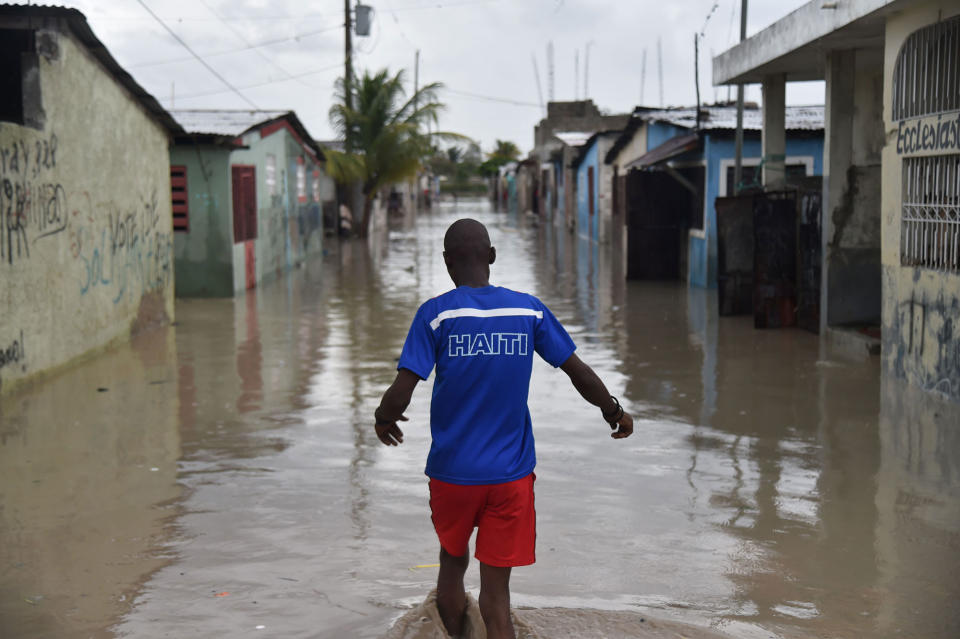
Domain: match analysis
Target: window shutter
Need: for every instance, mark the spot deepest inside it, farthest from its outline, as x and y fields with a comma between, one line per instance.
x=180, y=198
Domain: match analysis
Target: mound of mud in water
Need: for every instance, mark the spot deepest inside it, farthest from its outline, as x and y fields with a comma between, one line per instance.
x=423, y=622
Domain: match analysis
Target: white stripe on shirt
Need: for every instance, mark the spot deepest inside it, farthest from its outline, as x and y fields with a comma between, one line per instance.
x=484, y=312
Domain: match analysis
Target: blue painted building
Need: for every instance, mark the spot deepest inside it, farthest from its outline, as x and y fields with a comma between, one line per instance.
x=684, y=169
x=594, y=187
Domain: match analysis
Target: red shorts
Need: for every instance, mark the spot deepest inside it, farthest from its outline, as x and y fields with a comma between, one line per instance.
x=502, y=513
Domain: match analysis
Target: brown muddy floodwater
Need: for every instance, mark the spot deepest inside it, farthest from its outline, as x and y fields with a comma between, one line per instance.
x=226, y=481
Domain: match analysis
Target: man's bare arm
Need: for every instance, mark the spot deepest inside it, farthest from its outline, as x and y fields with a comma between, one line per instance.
x=395, y=400
x=592, y=389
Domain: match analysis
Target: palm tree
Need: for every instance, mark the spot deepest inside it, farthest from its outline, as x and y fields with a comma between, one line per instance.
x=505, y=150
x=382, y=131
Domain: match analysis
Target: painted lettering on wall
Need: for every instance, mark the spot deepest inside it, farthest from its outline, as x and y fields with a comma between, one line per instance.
x=128, y=252
x=33, y=205
x=13, y=353
x=931, y=134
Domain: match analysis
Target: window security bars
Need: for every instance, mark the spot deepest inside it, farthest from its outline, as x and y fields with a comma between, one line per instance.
x=930, y=226
x=926, y=76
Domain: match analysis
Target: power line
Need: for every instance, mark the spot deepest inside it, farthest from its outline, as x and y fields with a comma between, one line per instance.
x=709, y=15
x=255, y=45
x=444, y=5
x=199, y=59
x=262, y=84
x=488, y=98
x=244, y=40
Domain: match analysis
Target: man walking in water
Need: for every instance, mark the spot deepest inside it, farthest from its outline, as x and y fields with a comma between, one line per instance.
x=481, y=338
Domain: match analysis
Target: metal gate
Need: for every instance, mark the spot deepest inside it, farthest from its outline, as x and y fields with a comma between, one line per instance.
x=775, y=260
x=735, y=254
x=809, y=252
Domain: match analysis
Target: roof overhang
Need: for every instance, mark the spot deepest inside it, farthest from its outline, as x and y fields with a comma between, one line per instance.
x=208, y=139
x=28, y=16
x=796, y=45
x=666, y=151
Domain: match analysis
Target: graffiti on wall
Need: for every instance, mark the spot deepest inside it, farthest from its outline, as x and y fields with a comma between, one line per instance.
x=13, y=352
x=33, y=204
x=123, y=247
x=928, y=333
x=126, y=251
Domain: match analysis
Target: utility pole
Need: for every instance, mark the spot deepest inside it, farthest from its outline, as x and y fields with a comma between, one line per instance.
x=738, y=140
x=586, y=71
x=576, y=74
x=550, y=80
x=536, y=75
x=696, y=72
x=643, y=75
x=660, y=69
x=347, y=64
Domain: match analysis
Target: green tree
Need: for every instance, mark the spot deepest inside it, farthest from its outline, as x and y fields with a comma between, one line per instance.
x=383, y=132
x=504, y=151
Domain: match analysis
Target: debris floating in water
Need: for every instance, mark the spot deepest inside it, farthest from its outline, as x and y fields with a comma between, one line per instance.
x=222, y=594
x=418, y=567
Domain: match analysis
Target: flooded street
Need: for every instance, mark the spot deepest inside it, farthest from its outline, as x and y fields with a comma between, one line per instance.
x=222, y=478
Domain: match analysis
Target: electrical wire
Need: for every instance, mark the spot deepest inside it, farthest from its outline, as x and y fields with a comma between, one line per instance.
x=199, y=59
x=437, y=4
x=709, y=15
x=187, y=96
x=253, y=47
x=396, y=21
x=256, y=45
x=488, y=98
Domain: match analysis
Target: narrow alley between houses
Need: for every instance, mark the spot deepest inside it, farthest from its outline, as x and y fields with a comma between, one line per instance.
x=221, y=477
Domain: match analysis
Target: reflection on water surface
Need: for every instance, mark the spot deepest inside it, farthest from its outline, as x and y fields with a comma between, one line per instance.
x=769, y=488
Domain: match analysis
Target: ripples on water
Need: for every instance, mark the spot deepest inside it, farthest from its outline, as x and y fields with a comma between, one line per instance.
x=770, y=487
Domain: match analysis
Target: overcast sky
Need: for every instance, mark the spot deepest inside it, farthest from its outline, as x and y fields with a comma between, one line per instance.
x=481, y=50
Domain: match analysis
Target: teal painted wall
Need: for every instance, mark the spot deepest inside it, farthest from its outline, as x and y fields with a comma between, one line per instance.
x=289, y=230
x=203, y=257
x=286, y=235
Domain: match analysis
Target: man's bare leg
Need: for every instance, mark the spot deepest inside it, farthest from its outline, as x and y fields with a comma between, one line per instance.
x=451, y=597
x=495, y=601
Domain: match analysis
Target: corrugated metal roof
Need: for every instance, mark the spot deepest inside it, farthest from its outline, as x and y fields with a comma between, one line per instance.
x=797, y=118
x=231, y=122
x=573, y=138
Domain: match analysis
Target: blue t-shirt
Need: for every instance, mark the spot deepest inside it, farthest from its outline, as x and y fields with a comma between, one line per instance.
x=482, y=342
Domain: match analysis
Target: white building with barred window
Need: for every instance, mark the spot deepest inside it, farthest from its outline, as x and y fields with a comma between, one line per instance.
x=891, y=224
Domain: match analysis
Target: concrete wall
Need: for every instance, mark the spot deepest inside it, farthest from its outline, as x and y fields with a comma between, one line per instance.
x=851, y=183
x=289, y=228
x=633, y=149
x=203, y=255
x=86, y=249
x=921, y=306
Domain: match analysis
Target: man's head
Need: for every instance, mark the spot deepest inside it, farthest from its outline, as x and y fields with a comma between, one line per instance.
x=467, y=252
